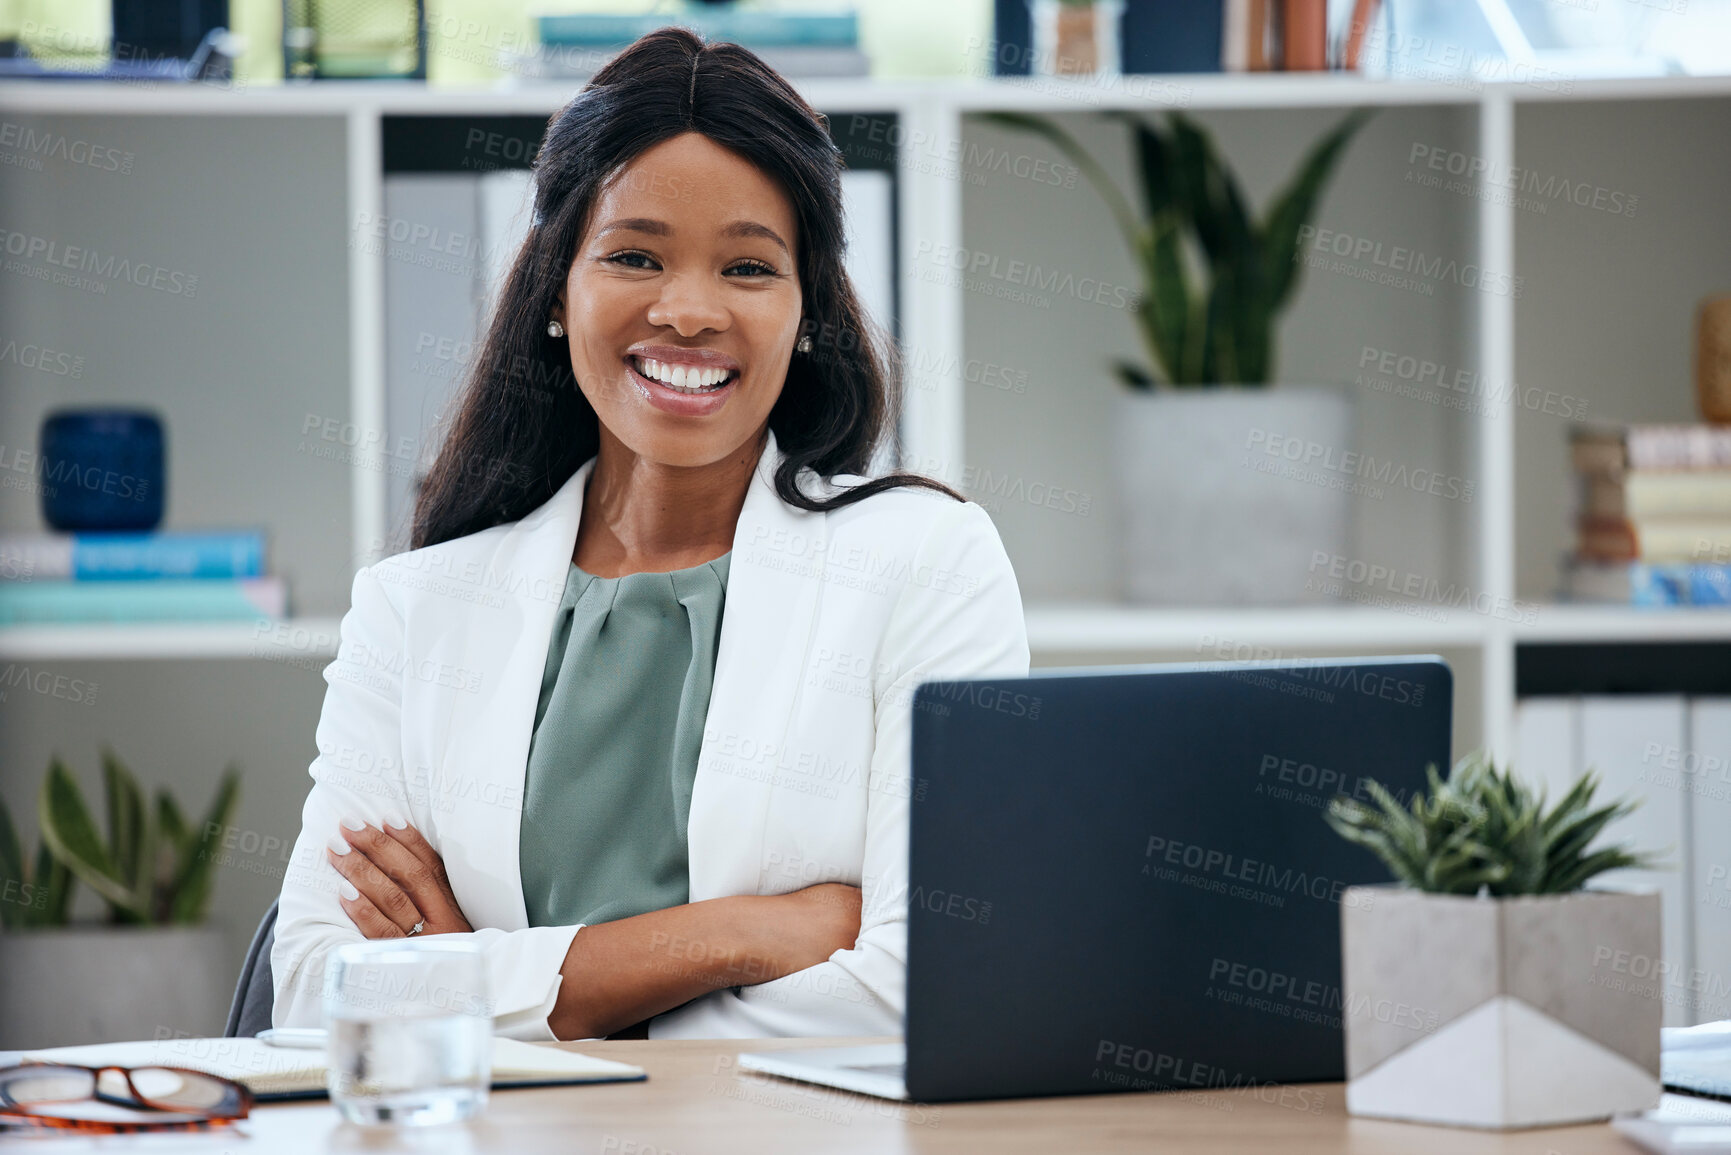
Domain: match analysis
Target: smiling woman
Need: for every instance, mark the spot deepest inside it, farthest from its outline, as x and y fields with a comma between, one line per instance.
x=673, y=798
x=694, y=177
x=692, y=312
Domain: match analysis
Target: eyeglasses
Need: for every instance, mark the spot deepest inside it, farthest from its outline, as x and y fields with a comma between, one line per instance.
x=119, y=1098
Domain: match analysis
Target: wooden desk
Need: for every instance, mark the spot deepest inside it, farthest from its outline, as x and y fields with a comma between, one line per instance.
x=697, y=1102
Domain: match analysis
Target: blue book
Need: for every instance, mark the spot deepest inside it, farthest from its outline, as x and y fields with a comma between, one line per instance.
x=1641, y=583
x=752, y=28
x=1710, y=585
x=132, y=556
x=1658, y=584
x=68, y=602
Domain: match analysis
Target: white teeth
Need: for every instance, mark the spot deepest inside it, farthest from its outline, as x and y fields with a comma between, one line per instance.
x=684, y=378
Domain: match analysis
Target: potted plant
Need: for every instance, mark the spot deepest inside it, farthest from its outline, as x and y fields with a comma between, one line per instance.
x=1491, y=936
x=153, y=966
x=1212, y=515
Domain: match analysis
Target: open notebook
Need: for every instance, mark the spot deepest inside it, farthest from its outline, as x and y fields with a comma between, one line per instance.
x=273, y=1073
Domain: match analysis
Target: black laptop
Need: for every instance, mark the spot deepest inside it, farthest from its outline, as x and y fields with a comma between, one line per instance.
x=1121, y=879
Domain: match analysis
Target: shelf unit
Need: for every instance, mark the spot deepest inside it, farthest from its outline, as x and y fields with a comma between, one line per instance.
x=309, y=638
x=1229, y=634
x=932, y=116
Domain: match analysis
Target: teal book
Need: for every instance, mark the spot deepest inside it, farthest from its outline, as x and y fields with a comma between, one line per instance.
x=754, y=28
x=68, y=602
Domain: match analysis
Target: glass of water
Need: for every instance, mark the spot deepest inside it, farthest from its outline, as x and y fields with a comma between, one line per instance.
x=409, y=1031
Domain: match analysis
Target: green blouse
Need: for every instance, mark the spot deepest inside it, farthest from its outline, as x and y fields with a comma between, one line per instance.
x=607, y=803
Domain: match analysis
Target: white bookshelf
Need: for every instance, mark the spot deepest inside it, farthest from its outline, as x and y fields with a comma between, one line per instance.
x=1240, y=634
x=1574, y=624
x=936, y=421
x=299, y=638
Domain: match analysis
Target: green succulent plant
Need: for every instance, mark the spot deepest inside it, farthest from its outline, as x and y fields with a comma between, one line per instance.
x=1485, y=830
x=153, y=868
x=1216, y=329
x=30, y=898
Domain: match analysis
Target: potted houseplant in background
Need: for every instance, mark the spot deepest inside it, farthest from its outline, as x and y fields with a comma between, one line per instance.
x=1211, y=515
x=1490, y=937
x=152, y=966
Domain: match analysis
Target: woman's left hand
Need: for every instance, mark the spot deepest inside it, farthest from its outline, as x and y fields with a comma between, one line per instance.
x=393, y=881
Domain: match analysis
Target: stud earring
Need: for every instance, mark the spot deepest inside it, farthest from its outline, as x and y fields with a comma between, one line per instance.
x=803, y=344
x=555, y=329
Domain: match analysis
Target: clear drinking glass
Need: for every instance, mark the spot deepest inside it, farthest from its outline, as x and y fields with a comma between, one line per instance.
x=410, y=1031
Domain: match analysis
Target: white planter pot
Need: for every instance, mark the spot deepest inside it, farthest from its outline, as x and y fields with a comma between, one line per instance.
x=76, y=985
x=1510, y=1012
x=1215, y=509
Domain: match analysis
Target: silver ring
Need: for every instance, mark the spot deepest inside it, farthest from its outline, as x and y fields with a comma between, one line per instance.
x=416, y=929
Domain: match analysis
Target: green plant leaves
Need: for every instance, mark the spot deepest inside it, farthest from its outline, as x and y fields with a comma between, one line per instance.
x=190, y=889
x=54, y=881
x=1485, y=829
x=14, y=910
x=67, y=830
x=152, y=869
x=1164, y=312
x=129, y=829
x=169, y=821
x=1194, y=214
x=11, y=853
x=1154, y=165
x=1192, y=177
x=34, y=898
x=1296, y=204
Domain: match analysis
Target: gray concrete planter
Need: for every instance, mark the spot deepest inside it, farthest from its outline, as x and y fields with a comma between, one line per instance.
x=100, y=984
x=1230, y=495
x=1499, y=1013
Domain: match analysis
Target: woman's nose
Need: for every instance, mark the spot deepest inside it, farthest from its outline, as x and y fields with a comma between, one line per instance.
x=688, y=305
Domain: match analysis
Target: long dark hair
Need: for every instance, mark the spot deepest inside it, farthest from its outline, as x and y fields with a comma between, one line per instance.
x=523, y=427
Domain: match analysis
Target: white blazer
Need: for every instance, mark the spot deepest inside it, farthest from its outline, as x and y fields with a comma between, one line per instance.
x=831, y=621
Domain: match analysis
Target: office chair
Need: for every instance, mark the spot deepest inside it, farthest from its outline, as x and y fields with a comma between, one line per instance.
x=254, y=993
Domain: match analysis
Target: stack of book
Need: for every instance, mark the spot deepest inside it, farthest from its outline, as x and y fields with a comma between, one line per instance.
x=1653, y=520
x=793, y=42
x=137, y=577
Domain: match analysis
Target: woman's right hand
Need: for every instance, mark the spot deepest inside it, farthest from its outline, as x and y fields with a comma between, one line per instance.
x=804, y=927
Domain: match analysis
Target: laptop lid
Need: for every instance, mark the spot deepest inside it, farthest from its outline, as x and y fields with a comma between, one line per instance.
x=1122, y=880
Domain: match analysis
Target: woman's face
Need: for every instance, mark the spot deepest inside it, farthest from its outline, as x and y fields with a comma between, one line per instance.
x=683, y=302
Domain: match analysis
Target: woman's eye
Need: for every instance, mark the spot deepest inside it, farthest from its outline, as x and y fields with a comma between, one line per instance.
x=636, y=260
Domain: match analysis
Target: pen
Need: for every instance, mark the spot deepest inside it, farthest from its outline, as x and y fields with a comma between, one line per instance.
x=310, y=1038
